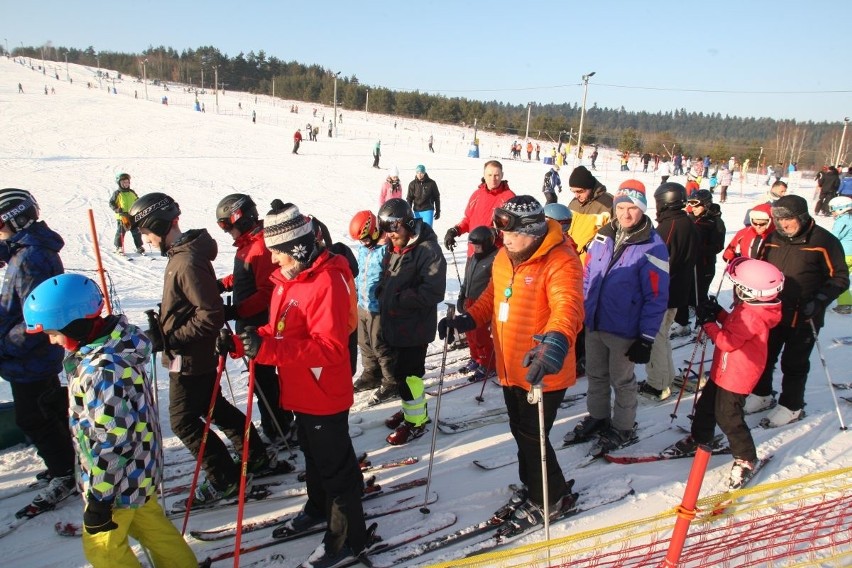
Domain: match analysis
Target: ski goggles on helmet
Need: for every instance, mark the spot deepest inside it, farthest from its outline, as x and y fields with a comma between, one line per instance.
x=509, y=221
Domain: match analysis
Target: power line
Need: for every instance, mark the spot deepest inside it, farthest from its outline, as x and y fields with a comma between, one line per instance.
x=614, y=86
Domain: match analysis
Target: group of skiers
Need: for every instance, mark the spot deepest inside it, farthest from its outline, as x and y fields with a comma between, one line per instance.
x=550, y=293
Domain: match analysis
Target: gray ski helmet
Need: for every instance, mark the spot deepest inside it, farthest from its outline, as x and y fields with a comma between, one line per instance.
x=18, y=209
x=236, y=210
x=155, y=212
x=670, y=195
x=395, y=211
x=121, y=176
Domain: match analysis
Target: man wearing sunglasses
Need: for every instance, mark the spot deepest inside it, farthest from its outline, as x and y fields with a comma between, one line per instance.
x=749, y=241
x=414, y=282
x=534, y=303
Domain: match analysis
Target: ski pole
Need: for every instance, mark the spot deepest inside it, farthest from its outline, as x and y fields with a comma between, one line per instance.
x=456, y=264
x=691, y=415
x=220, y=367
x=243, y=468
x=535, y=397
x=481, y=398
x=828, y=377
x=685, y=375
x=230, y=388
x=451, y=311
x=161, y=484
x=265, y=403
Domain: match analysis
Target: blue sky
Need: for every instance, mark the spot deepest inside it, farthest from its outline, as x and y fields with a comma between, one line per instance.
x=747, y=58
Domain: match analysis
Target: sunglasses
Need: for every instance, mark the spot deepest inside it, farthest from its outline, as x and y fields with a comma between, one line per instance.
x=510, y=222
x=760, y=223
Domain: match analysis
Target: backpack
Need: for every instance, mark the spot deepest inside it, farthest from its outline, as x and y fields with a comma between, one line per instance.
x=845, y=187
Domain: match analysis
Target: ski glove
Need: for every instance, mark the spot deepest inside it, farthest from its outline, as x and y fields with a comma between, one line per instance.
x=97, y=517
x=814, y=306
x=226, y=344
x=640, y=351
x=707, y=311
x=447, y=327
x=437, y=215
x=250, y=341
x=450, y=238
x=154, y=333
x=547, y=357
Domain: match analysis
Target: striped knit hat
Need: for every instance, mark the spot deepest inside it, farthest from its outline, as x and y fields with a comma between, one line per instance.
x=287, y=231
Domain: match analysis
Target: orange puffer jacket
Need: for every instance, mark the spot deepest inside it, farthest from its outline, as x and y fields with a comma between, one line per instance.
x=546, y=295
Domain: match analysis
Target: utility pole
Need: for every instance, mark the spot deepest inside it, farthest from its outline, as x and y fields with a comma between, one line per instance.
x=216, y=85
x=335, y=103
x=367, y=107
x=842, y=139
x=529, y=108
x=98, y=57
x=145, y=76
x=67, y=74
x=583, y=113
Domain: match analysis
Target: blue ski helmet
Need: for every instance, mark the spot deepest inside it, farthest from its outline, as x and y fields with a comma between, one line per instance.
x=60, y=300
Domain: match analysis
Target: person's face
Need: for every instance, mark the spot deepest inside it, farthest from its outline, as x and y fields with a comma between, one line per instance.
x=788, y=227
x=696, y=207
x=493, y=176
x=55, y=338
x=778, y=190
x=6, y=232
x=628, y=215
x=400, y=237
x=760, y=226
x=517, y=242
x=581, y=194
x=155, y=240
x=286, y=262
x=125, y=183
x=420, y=175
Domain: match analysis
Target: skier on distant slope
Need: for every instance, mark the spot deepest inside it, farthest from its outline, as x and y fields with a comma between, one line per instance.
x=741, y=344
x=121, y=200
x=114, y=421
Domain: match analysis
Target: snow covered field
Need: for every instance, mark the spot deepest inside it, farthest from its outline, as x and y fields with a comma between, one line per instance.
x=66, y=148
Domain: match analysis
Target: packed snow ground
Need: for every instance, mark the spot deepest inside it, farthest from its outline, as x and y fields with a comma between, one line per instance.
x=67, y=148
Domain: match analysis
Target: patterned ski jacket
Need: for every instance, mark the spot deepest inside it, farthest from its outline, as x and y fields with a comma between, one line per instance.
x=369, y=274
x=741, y=344
x=113, y=418
x=626, y=287
x=31, y=257
x=307, y=337
x=545, y=294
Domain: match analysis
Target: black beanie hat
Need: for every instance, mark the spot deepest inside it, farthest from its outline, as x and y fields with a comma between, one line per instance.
x=582, y=178
x=789, y=206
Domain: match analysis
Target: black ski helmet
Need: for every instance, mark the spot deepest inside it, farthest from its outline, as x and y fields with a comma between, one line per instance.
x=484, y=236
x=702, y=195
x=236, y=210
x=670, y=195
x=394, y=211
x=155, y=212
x=18, y=209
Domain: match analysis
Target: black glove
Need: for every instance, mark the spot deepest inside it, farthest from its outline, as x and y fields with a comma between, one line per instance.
x=221, y=286
x=230, y=312
x=225, y=342
x=154, y=333
x=813, y=306
x=462, y=324
x=450, y=238
x=640, y=351
x=437, y=215
x=707, y=311
x=547, y=357
x=97, y=517
x=251, y=341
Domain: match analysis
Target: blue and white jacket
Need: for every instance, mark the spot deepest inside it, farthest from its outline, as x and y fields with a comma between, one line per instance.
x=626, y=285
x=369, y=274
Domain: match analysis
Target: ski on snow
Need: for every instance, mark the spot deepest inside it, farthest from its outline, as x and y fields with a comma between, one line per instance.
x=502, y=531
x=402, y=505
x=724, y=505
x=29, y=512
x=669, y=453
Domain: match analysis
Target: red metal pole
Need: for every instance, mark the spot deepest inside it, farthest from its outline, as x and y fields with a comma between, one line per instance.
x=100, y=263
x=242, y=501
x=686, y=511
x=219, y=369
